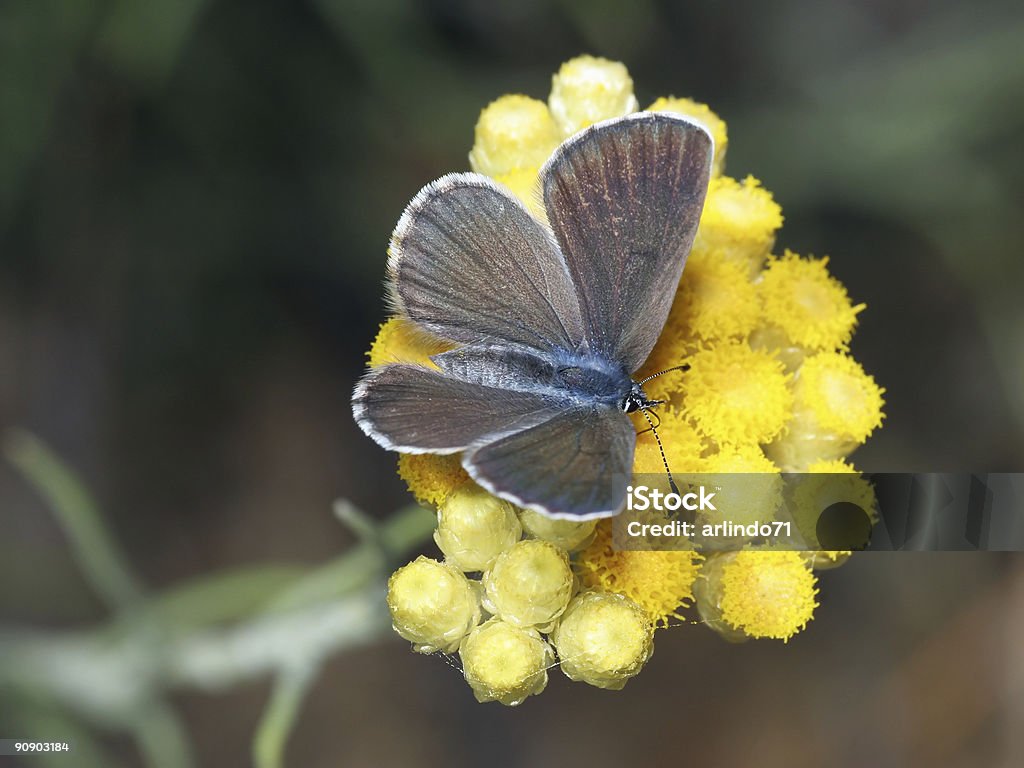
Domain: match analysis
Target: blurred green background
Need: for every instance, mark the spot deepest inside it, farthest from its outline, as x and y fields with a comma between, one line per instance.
x=195, y=201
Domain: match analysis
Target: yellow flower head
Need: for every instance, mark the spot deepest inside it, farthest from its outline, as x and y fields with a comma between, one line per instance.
x=737, y=395
x=671, y=350
x=739, y=223
x=505, y=663
x=514, y=133
x=680, y=440
x=587, y=90
x=659, y=582
x=740, y=459
x=603, y=639
x=831, y=467
x=758, y=593
x=717, y=300
x=431, y=477
x=830, y=482
x=841, y=398
x=751, y=489
x=703, y=114
x=809, y=306
x=525, y=185
x=432, y=605
x=400, y=341
x=474, y=527
x=530, y=584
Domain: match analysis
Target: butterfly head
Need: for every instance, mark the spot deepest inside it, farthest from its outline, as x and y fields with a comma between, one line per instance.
x=637, y=400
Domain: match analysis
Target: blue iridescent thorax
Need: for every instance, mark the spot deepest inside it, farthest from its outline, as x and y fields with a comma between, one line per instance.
x=592, y=378
x=585, y=378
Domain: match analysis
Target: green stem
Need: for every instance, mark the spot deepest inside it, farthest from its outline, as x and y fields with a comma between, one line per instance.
x=161, y=737
x=279, y=717
x=288, y=622
x=107, y=673
x=102, y=563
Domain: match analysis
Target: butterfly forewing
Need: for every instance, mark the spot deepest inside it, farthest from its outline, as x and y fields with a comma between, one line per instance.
x=624, y=198
x=470, y=264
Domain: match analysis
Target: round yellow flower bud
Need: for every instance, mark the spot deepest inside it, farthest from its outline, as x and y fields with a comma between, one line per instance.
x=757, y=594
x=530, y=584
x=808, y=306
x=828, y=483
x=660, y=582
x=587, y=90
x=738, y=223
x=737, y=395
x=399, y=340
x=836, y=406
x=432, y=605
x=603, y=639
x=749, y=489
x=716, y=300
x=673, y=348
x=513, y=133
x=570, y=535
x=474, y=527
x=680, y=441
x=432, y=477
x=525, y=185
x=505, y=663
x=703, y=114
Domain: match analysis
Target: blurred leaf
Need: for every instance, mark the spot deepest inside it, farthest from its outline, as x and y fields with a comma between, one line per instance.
x=101, y=560
x=222, y=597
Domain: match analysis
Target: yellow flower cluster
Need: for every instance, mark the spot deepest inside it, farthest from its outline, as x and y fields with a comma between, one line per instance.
x=770, y=387
x=511, y=605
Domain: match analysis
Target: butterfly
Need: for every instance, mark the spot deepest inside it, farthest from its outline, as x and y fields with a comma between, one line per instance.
x=551, y=318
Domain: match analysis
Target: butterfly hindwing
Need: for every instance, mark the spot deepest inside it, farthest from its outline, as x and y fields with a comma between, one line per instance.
x=575, y=465
x=413, y=409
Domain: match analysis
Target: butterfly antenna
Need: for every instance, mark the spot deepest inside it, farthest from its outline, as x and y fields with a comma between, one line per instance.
x=683, y=367
x=653, y=426
x=661, y=450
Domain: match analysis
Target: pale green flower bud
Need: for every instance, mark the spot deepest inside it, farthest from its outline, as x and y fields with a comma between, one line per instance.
x=433, y=605
x=707, y=592
x=513, y=133
x=505, y=663
x=530, y=584
x=570, y=535
x=587, y=90
x=603, y=639
x=474, y=527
